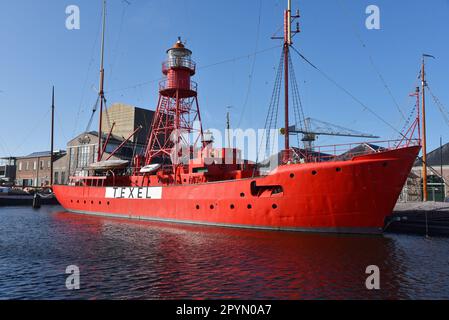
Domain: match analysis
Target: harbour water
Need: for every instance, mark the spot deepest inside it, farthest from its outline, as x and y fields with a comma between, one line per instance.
x=121, y=259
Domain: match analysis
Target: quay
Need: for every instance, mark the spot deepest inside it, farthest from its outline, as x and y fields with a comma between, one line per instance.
x=423, y=218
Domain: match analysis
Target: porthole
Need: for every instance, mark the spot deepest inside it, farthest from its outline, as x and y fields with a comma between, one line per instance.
x=71, y=201
x=108, y=203
x=274, y=206
x=91, y=202
x=249, y=206
x=197, y=207
x=384, y=164
x=242, y=195
x=99, y=202
x=84, y=201
x=314, y=172
x=232, y=206
x=77, y=201
x=292, y=175
x=338, y=169
x=212, y=206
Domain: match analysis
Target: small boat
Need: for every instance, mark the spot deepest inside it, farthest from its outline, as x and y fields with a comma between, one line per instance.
x=109, y=164
x=17, y=197
x=150, y=168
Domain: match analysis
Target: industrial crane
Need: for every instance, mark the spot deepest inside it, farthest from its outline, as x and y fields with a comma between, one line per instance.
x=313, y=128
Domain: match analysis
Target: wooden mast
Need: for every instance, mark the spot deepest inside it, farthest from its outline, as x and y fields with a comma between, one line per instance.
x=423, y=126
x=101, y=88
x=423, y=108
x=52, y=134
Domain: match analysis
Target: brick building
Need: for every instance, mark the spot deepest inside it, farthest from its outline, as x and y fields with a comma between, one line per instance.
x=33, y=170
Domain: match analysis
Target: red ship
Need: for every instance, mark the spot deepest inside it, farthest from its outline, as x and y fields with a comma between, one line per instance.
x=309, y=190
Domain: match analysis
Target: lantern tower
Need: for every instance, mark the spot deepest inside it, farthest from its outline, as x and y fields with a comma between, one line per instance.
x=177, y=118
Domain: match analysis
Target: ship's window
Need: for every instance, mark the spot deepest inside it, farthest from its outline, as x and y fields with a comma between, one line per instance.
x=250, y=206
x=91, y=202
x=108, y=203
x=274, y=206
x=232, y=206
x=84, y=201
x=384, y=164
x=197, y=207
x=292, y=175
x=211, y=206
x=338, y=169
x=242, y=195
x=71, y=201
x=99, y=202
x=77, y=201
x=314, y=172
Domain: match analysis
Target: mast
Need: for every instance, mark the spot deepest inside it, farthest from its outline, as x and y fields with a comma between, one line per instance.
x=423, y=126
x=101, y=87
x=52, y=134
x=287, y=43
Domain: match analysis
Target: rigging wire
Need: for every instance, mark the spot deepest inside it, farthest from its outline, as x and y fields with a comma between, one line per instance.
x=91, y=61
x=300, y=119
x=246, y=56
x=272, y=110
x=440, y=106
x=250, y=80
x=375, y=68
x=32, y=130
x=352, y=96
x=119, y=37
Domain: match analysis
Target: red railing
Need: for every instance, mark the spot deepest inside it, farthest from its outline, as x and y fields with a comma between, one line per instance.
x=167, y=84
x=178, y=63
x=346, y=151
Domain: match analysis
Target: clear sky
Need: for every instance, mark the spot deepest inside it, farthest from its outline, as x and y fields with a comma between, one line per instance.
x=37, y=51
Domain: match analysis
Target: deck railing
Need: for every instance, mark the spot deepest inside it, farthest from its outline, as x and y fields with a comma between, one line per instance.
x=347, y=151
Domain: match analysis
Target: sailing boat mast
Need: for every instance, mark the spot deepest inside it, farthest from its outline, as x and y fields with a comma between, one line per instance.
x=287, y=43
x=423, y=126
x=101, y=87
x=52, y=134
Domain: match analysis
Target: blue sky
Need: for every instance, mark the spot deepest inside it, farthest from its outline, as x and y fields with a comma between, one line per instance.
x=38, y=51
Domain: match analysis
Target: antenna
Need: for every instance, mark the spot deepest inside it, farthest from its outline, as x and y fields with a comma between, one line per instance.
x=228, y=125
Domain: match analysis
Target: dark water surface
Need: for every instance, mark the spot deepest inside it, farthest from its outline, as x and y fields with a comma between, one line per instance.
x=123, y=259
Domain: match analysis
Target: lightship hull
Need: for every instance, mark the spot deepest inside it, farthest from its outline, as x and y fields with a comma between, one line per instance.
x=351, y=196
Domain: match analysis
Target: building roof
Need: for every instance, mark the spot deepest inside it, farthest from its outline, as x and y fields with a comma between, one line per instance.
x=41, y=154
x=436, y=157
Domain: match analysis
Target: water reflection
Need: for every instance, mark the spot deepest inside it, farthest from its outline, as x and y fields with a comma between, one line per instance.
x=135, y=259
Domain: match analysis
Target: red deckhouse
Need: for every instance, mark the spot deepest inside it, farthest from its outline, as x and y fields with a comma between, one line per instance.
x=339, y=192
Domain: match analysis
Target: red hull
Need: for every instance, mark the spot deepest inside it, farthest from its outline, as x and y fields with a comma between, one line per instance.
x=351, y=196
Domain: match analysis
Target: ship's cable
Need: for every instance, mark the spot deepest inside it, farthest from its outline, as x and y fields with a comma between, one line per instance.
x=83, y=91
x=246, y=56
x=375, y=68
x=352, y=96
x=272, y=109
x=438, y=103
x=251, y=74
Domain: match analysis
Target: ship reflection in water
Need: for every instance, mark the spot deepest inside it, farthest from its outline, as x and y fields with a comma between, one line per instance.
x=123, y=259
